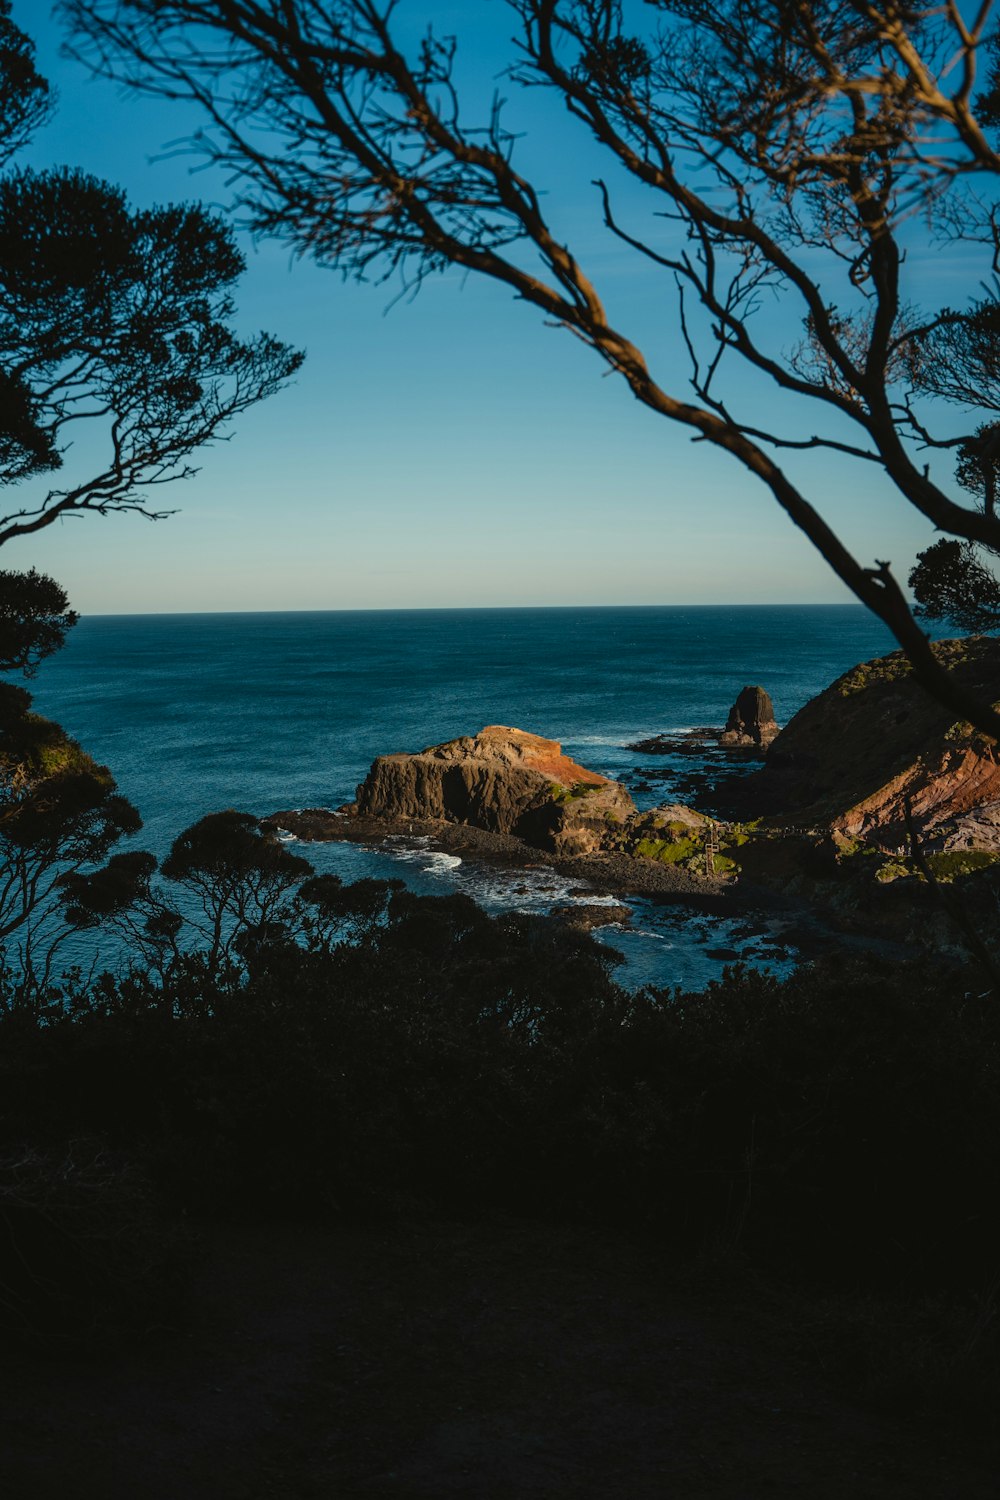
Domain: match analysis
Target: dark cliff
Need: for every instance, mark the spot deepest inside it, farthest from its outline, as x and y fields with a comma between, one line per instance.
x=852, y=757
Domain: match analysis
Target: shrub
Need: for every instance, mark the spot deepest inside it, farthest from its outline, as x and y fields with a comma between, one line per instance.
x=947, y=866
x=842, y=1125
x=87, y=1253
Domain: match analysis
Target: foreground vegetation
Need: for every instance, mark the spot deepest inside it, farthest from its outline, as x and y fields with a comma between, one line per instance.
x=285, y=1048
x=839, y=1130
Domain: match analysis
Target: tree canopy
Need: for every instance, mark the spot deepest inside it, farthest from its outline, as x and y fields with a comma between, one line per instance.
x=951, y=582
x=122, y=319
x=109, y=316
x=954, y=581
x=34, y=618
x=755, y=154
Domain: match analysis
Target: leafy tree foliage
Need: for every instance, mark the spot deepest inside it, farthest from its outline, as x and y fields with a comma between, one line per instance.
x=760, y=154
x=238, y=873
x=836, y=1126
x=120, y=318
x=112, y=316
x=952, y=583
x=332, y=911
x=59, y=812
x=24, y=96
x=34, y=618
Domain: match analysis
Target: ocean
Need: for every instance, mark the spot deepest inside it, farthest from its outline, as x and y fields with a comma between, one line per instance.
x=261, y=712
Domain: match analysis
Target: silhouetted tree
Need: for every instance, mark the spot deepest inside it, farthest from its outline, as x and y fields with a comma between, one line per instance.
x=762, y=153
x=34, y=618
x=334, y=912
x=113, y=316
x=121, y=896
x=24, y=93
x=952, y=583
x=59, y=812
x=121, y=318
x=239, y=876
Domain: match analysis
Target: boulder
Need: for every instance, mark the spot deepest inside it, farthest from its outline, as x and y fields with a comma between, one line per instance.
x=586, y=917
x=503, y=780
x=680, y=813
x=751, y=720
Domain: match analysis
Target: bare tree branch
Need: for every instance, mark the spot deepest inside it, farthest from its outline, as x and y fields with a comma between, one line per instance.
x=782, y=149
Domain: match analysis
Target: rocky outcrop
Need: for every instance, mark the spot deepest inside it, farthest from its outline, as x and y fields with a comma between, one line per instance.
x=586, y=916
x=852, y=758
x=751, y=723
x=681, y=817
x=750, y=726
x=503, y=780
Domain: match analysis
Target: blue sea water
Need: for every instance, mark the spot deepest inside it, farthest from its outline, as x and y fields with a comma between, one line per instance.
x=194, y=713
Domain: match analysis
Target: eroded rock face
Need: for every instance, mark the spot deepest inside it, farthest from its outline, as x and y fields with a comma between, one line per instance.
x=501, y=779
x=955, y=800
x=852, y=757
x=751, y=721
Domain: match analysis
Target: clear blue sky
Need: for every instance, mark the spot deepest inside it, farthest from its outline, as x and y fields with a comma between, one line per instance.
x=453, y=452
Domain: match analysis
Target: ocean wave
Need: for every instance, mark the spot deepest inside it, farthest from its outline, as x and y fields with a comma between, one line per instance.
x=662, y=730
x=439, y=863
x=595, y=900
x=516, y=890
x=416, y=850
x=595, y=739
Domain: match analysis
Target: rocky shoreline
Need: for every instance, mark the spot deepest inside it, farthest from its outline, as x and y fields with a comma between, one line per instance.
x=608, y=874
x=810, y=822
x=805, y=927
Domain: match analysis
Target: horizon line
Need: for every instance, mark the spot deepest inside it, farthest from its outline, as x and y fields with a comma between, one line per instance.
x=416, y=609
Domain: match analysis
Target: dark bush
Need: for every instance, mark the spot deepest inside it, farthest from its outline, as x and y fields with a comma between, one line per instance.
x=87, y=1253
x=841, y=1125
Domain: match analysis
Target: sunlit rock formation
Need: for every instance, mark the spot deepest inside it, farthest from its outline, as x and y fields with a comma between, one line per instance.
x=853, y=757
x=502, y=780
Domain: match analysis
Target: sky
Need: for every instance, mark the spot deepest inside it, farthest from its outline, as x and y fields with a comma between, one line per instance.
x=449, y=451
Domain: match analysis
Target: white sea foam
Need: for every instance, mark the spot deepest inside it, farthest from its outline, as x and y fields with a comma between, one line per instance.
x=416, y=850
x=661, y=729
x=527, y=891
x=401, y=846
x=595, y=739
x=439, y=863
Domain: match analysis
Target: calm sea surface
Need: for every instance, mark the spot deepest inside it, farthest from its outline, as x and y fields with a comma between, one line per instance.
x=194, y=713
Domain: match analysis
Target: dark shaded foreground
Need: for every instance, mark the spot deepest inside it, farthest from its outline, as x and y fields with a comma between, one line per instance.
x=493, y=1362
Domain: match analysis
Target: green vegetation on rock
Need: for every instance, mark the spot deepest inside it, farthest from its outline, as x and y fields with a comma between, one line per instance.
x=958, y=862
x=867, y=673
x=668, y=852
x=894, y=869
x=561, y=793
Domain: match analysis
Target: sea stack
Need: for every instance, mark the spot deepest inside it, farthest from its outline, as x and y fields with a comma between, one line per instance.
x=503, y=780
x=751, y=720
